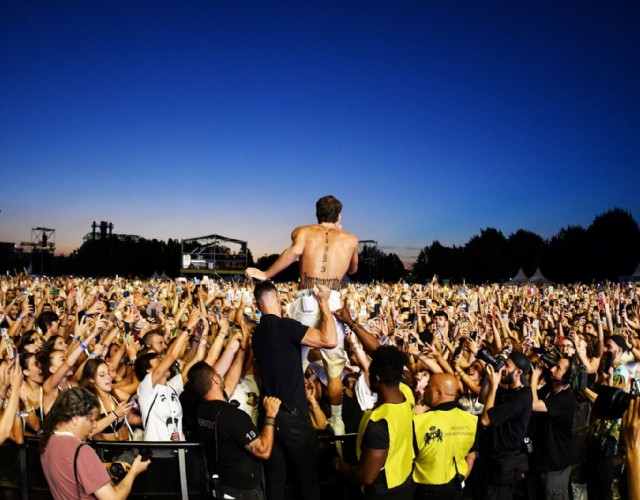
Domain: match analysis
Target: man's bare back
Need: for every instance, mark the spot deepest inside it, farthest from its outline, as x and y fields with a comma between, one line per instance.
x=326, y=252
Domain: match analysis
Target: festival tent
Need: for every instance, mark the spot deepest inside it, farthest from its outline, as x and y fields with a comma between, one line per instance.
x=539, y=279
x=634, y=277
x=520, y=278
x=156, y=276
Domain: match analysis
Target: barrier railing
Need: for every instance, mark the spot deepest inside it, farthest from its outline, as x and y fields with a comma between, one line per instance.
x=177, y=469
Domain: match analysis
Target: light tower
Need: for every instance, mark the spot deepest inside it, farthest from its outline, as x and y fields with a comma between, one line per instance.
x=42, y=240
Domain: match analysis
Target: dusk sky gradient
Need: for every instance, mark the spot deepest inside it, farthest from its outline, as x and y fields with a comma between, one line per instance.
x=428, y=120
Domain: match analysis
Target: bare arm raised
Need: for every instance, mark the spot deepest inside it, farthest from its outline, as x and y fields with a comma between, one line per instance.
x=288, y=257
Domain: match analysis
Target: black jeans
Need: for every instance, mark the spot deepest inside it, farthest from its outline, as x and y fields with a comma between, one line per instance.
x=485, y=489
x=600, y=469
x=296, y=442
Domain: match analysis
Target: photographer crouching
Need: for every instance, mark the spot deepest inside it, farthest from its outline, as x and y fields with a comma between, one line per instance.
x=554, y=407
x=73, y=469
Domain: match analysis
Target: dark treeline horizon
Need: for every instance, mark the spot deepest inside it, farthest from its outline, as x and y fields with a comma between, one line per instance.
x=606, y=250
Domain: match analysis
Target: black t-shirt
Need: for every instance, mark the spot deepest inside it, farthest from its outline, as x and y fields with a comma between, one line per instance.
x=276, y=347
x=509, y=421
x=553, y=430
x=190, y=400
x=236, y=466
x=376, y=436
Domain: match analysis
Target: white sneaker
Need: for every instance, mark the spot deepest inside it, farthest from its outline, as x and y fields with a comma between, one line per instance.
x=337, y=427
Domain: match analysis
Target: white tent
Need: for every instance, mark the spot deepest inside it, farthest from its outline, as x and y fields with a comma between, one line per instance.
x=539, y=279
x=520, y=278
x=634, y=277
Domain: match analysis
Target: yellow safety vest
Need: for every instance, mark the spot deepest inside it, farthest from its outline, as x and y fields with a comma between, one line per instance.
x=399, y=418
x=442, y=435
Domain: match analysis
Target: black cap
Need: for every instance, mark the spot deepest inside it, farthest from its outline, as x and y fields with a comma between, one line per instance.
x=620, y=341
x=522, y=363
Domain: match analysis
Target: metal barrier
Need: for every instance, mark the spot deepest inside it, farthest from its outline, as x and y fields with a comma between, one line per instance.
x=177, y=469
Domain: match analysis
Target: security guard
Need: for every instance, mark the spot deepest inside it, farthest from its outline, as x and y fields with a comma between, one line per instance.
x=445, y=439
x=384, y=444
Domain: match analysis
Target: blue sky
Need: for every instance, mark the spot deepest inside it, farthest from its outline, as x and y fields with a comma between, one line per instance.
x=428, y=120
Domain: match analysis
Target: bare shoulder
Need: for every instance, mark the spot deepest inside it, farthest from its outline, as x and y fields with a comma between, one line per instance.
x=299, y=232
x=302, y=229
x=351, y=237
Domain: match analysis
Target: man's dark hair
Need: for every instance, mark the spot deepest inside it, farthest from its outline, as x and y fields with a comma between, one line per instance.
x=74, y=402
x=441, y=313
x=328, y=209
x=143, y=364
x=201, y=377
x=45, y=319
x=146, y=340
x=262, y=289
x=25, y=356
x=387, y=363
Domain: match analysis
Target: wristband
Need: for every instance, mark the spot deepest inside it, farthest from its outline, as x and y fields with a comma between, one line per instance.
x=86, y=351
x=20, y=316
x=115, y=414
x=186, y=329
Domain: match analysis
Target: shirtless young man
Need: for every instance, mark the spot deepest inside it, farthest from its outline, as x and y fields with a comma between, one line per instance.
x=326, y=253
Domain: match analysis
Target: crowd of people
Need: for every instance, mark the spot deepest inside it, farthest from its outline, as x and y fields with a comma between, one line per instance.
x=454, y=391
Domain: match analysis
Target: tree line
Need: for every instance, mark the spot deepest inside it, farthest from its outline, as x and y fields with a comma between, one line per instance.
x=607, y=249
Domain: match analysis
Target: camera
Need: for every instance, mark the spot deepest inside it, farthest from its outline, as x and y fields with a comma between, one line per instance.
x=547, y=360
x=484, y=354
x=612, y=402
x=117, y=472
